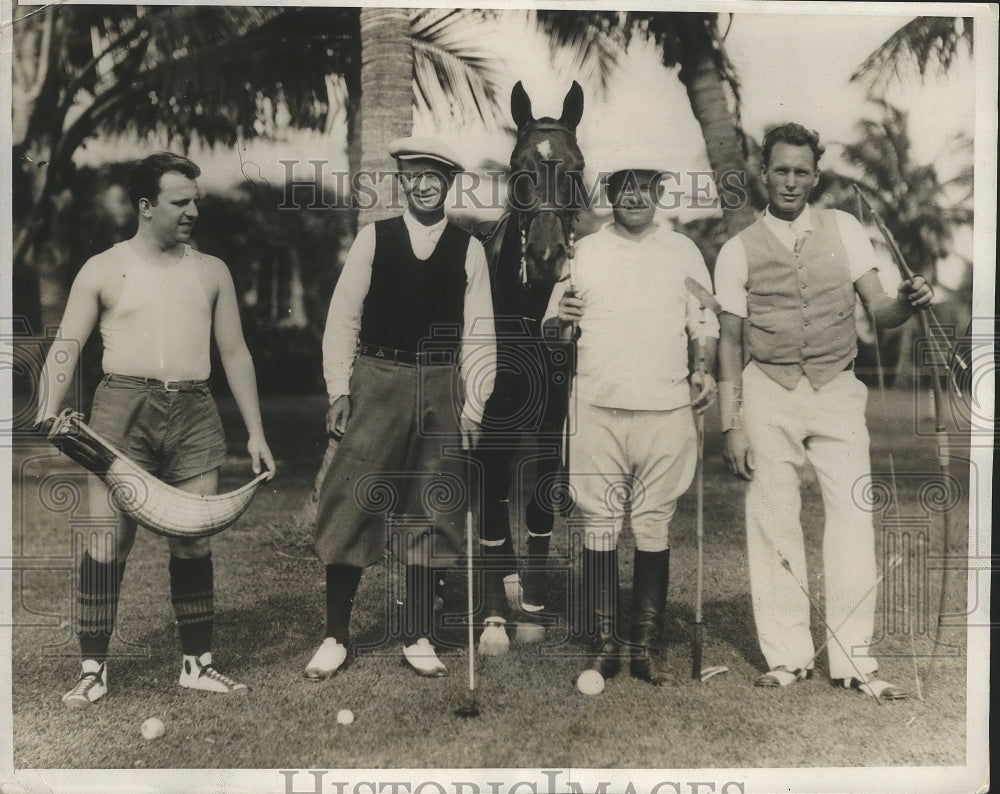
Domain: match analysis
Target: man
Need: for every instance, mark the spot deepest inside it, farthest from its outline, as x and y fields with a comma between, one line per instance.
x=793, y=275
x=635, y=427
x=413, y=301
x=158, y=302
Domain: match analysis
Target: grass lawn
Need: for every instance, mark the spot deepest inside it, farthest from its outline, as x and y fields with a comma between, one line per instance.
x=270, y=619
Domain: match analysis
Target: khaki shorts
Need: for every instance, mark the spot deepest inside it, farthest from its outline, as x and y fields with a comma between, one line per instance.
x=174, y=434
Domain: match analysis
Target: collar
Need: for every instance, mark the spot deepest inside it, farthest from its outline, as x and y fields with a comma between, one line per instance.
x=650, y=231
x=800, y=225
x=415, y=227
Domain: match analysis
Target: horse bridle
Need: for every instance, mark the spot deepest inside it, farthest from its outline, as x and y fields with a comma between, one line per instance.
x=567, y=216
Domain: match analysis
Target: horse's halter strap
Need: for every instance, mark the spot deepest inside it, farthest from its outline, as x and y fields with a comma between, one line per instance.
x=524, y=226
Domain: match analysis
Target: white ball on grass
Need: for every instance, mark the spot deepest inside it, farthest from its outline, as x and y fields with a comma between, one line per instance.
x=345, y=716
x=590, y=682
x=152, y=728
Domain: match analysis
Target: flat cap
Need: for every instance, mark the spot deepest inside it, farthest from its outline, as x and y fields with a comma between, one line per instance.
x=425, y=148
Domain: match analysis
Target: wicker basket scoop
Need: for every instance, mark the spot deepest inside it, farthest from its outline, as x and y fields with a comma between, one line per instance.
x=141, y=496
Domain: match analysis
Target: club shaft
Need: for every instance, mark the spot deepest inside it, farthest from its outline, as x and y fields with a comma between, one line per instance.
x=468, y=571
x=785, y=564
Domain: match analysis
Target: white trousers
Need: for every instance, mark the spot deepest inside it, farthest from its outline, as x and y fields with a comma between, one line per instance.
x=642, y=461
x=827, y=428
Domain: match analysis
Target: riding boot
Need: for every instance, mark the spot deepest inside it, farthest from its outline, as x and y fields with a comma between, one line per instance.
x=649, y=605
x=600, y=582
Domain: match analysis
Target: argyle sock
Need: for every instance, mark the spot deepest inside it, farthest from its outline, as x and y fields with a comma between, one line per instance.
x=192, y=593
x=341, y=586
x=97, y=595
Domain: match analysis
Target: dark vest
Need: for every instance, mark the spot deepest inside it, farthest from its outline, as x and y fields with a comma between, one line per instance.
x=410, y=300
x=801, y=305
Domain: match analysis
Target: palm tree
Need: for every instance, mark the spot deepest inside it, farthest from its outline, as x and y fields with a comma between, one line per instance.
x=920, y=209
x=694, y=44
x=918, y=46
x=215, y=74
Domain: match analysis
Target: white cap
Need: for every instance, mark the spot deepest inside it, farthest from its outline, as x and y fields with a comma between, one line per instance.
x=425, y=148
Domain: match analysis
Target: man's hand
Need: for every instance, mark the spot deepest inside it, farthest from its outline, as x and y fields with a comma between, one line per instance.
x=260, y=452
x=471, y=433
x=43, y=426
x=915, y=292
x=737, y=452
x=337, y=416
x=570, y=312
x=706, y=391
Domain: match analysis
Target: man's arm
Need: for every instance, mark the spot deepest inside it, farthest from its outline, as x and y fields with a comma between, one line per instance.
x=479, y=347
x=731, y=274
x=238, y=366
x=887, y=311
x=736, y=448
x=343, y=324
x=83, y=308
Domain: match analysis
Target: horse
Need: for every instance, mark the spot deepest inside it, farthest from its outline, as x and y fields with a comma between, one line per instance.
x=528, y=250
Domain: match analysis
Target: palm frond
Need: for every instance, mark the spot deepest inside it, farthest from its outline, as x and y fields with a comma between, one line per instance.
x=455, y=77
x=922, y=43
x=587, y=46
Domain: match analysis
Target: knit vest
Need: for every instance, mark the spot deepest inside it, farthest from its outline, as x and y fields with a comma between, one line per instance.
x=409, y=298
x=801, y=304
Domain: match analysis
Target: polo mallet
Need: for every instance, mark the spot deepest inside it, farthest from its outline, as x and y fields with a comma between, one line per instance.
x=703, y=674
x=470, y=709
x=892, y=564
x=861, y=677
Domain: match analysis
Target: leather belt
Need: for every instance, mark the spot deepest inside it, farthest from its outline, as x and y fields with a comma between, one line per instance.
x=442, y=357
x=153, y=383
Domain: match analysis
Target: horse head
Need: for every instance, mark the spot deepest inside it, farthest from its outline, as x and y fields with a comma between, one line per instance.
x=546, y=184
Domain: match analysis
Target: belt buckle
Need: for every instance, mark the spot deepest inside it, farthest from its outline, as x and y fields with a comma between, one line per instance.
x=166, y=386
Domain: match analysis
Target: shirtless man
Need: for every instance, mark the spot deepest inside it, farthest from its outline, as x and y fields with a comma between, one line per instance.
x=158, y=303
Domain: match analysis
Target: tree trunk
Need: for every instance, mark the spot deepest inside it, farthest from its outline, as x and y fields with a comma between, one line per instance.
x=386, y=113
x=386, y=105
x=707, y=95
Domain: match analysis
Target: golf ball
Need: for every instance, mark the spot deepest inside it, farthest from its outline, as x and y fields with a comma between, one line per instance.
x=590, y=682
x=345, y=716
x=152, y=728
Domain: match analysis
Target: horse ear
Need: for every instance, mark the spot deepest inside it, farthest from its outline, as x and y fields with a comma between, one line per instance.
x=572, y=110
x=520, y=106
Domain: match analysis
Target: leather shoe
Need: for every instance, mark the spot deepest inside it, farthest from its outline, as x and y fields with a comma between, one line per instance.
x=329, y=658
x=422, y=658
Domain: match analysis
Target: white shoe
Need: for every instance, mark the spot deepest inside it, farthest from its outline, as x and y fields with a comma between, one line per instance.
x=422, y=658
x=494, y=640
x=327, y=660
x=197, y=673
x=90, y=687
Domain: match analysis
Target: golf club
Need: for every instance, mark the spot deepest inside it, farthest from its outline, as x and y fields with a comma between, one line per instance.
x=697, y=671
x=822, y=617
x=470, y=709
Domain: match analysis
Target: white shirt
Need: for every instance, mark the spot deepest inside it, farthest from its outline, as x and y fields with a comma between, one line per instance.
x=732, y=271
x=343, y=321
x=633, y=347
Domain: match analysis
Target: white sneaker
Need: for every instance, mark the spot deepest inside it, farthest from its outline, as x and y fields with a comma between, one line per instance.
x=197, y=673
x=326, y=661
x=422, y=658
x=494, y=640
x=90, y=687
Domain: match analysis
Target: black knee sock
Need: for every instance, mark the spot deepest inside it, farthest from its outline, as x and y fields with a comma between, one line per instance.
x=418, y=614
x=341, y=587
x=192, y=592
x=97, y=594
